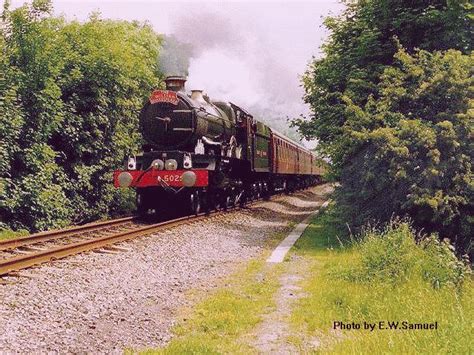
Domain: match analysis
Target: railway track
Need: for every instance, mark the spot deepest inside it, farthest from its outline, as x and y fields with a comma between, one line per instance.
x=47, y=236
x=29, y=251
x=40, y=248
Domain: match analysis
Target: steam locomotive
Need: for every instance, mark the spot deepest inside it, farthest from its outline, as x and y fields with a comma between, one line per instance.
x=204, y=154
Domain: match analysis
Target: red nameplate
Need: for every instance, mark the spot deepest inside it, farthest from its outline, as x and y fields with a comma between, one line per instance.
x=167, y=96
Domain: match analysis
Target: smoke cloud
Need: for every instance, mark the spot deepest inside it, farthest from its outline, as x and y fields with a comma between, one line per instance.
x=175, y=56
x=241, y=59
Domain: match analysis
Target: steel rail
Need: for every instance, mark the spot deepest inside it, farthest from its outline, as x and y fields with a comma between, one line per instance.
x=29, y=260
x=40, y=257
x=60, y=233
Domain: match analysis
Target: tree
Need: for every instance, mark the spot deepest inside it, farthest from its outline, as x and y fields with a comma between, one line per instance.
x=416, y=158
x=362, y=44
x=70, y=98
x=385, y=111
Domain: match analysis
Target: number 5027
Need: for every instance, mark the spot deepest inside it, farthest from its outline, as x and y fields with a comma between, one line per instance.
x=172, y=178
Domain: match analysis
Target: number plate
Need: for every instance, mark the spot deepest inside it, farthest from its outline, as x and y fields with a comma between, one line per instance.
x=171, y=178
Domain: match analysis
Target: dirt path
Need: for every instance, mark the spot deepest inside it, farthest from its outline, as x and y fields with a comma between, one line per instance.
x=273, y=333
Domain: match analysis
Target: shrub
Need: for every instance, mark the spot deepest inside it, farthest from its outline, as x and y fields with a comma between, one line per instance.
x=392, y=108
x=414, y=158
x=440, y=266
x=70, y=94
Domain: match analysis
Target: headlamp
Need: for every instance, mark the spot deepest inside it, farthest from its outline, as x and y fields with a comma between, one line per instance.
x=171, y=164
x=157, y=164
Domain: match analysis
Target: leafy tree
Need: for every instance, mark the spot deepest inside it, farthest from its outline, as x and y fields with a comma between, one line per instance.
x=391, y=109
x=70, y=94
x=362, y=44
x=415, y=158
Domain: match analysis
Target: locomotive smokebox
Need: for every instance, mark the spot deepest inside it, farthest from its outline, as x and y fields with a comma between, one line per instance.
x=173, y=120
x=175, y=83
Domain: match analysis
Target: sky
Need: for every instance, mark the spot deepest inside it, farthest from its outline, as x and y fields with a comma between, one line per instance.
x=249, y=52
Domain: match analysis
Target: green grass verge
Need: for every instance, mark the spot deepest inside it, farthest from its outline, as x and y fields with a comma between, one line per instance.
x=220, y=322
x=9, y=234
x=384, y=277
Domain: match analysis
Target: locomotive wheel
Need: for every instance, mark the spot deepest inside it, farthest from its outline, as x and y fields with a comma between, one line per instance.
x=256, y=192
x=239, y=198
x=195, y=203
x=265, y=192
x=215, y=201
x=243, y=199
x=205, y=202
x=250, y=195
x=231, y=198
x=228, y=202
x=142, y=205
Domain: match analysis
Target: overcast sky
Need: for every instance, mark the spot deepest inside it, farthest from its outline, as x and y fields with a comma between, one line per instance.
x=251, y=53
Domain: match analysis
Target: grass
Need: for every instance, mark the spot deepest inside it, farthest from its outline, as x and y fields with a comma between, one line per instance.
x=220, y=322
x=384, y=277
x=9, y=234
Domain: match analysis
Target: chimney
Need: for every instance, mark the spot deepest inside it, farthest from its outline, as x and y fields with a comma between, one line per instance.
x=196, y=95
x=175, y=83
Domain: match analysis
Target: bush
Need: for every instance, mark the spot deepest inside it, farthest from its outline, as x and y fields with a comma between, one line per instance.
x=415, y=157
x=124, y=202
x=440, y=265
x=70, y=94
x=392, y=108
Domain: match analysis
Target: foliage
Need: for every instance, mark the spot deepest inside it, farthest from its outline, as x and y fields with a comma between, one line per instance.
x=392, y=108
x=393, y=255
x=6, y=233
x=363, y=42
x=69, y=97
x=387, y=275
x=411, y=149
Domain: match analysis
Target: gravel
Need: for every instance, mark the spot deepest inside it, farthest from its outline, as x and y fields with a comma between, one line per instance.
x=97, y=302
